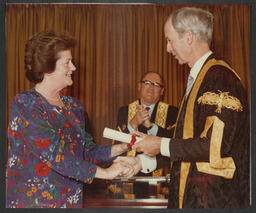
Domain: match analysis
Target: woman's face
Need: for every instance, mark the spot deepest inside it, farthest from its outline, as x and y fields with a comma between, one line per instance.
x=64, y=68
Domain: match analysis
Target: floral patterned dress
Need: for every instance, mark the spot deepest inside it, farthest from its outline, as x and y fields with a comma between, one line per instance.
x=50, y=155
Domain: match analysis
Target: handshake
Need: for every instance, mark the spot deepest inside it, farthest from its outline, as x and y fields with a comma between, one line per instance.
x=127, y=166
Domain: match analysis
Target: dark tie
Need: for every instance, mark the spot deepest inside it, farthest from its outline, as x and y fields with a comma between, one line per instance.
x=147, y=108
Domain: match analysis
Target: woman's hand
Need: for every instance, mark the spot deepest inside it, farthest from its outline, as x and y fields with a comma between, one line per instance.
x=133, y=162
x=115, y=170
x=119, y=149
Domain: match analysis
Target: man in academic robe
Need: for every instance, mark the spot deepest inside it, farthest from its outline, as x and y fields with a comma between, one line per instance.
x=209, y=152
x=149, y=115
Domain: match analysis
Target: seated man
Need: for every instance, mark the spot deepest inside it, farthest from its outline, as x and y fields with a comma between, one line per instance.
x=148, y=114
x=151, y=116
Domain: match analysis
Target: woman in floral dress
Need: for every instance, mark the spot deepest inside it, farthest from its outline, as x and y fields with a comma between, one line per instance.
x=50, y=155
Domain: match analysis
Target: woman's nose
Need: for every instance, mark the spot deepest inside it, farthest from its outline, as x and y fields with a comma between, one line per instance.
x=73, y=68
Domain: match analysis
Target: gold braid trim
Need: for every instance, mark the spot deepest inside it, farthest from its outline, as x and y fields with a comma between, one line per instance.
x=188, y=130
x=224, y=167
x=161, y=114
x=132, y=110
x=160, y=120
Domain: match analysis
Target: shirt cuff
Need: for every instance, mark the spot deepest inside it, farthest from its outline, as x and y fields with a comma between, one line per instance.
x=153, y=130
x=129, y=127
x=148, y=163
x=164, y=148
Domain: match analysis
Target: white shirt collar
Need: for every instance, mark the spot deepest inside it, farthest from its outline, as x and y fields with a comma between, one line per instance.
x=198, y=65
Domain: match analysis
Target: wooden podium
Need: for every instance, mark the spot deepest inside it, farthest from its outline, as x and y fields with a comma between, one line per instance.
x=136, y=192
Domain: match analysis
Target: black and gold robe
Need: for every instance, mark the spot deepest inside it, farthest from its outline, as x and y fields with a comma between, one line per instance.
x=210, y=148
x=163, y=115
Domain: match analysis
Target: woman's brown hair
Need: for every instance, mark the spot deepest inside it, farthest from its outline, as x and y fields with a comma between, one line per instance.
x=42, y=52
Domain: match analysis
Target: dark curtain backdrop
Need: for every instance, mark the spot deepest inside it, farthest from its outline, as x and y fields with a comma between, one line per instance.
x=116, y=44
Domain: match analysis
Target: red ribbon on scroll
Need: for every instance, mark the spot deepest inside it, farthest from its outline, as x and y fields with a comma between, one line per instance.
x=133, y=140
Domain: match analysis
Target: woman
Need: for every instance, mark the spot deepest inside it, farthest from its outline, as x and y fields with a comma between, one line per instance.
x=50, y=154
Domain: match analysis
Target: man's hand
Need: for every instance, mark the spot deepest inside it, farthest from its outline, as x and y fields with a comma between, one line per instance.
x=149, y=145
x=140, y=117
x=115, y=170
x=133, y=162
x=147, y=123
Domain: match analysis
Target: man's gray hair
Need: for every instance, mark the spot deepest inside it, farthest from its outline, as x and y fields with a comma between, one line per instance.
x=197, y=20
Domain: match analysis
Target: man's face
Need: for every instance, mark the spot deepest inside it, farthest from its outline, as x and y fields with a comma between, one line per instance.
x=175, y=45
x=149, y=93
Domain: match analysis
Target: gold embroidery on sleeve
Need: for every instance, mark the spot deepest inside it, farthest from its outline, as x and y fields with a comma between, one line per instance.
x=221, y=100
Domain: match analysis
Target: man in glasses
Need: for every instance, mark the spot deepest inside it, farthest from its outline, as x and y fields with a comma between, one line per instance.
x=148, y=114
x=151, y=116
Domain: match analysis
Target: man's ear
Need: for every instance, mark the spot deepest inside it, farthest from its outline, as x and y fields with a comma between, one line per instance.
x=162, y=92
x=189, y=36
x=139, y=86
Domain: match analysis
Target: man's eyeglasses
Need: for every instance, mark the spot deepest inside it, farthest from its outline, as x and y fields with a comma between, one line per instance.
x=155, y=84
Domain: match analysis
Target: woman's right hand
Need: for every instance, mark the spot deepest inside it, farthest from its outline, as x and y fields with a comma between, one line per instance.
x=115, y=170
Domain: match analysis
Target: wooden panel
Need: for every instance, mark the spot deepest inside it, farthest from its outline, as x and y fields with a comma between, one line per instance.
x=141, y=195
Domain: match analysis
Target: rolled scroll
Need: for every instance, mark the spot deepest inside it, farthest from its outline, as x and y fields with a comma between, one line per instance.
x=118, y=136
